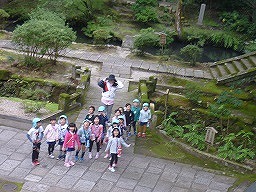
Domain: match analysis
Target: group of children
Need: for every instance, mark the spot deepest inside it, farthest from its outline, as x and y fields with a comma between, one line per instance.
x=96, y=129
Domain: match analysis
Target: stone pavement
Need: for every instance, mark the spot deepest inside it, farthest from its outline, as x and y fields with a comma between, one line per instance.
x=123, y=66
x=134, y=172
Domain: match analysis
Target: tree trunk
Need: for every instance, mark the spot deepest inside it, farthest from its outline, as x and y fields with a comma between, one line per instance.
x=178, y=26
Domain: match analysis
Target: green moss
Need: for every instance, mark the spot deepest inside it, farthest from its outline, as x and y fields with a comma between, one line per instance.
x=52, y=107
x=4, y=74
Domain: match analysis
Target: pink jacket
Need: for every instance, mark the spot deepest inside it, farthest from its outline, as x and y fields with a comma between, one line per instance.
x=51, y=133
x=70, y=140
x=97, y=130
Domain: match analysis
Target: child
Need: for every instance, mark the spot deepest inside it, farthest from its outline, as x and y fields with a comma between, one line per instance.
x=144, y=119
x=103, y=121
x=116, y=114
x=96, y=135
x=84, y=134
x=109, y=134
x=121, y=109
x=63, y=125
x=90, y=114
x=136, y=110
x=35, y=135
x=71, y=138
x=52, y=135
x=113, y=145
x=129, y=116
x=122, y=127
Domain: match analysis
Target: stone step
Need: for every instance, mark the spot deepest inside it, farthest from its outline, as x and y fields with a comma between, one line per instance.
x=238, y=65
x=215, y=72
x=247, y=63
x=252, y=60
x=222, y=69
x=230, y=67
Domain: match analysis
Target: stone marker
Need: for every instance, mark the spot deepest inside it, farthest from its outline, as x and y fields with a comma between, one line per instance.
x=201, y=14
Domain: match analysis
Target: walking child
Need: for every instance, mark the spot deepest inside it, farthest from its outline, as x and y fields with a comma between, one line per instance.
x=129, y=116
x=52, y=135
x=70, y=141
x=35, y=135
x=84, y=134
x=103, y=121
x=63, y=125
x=144, y=120
x=136, y=110
x=97, y=131
x=113, y=145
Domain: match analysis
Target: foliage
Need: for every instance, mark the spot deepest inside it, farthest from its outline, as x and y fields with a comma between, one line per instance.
x=38, y=94
x=195, y=136
x=3, y=14
x=192, y=93
x=45, y=33
x=231, y=151
x=32, y=106
x=228, y=98
x=237, y=22
x=101, y=36
x=145, y=11
x=146, y=38
x=191, y=53
x=250, y=46
x=217, y=38
x=77, y=12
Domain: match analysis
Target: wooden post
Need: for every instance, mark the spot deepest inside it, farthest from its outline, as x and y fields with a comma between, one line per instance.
x=166, y=102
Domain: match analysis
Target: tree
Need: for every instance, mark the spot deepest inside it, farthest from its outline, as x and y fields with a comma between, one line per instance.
x=191, y=53
x=3, y=16
x=178, y=26
x=44, y=34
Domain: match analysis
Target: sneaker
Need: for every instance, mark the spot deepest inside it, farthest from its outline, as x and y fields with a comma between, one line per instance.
x=81, y=159
x=37, y=162
x=76, y=158
x=111, y=169
x=71, y=163
x=118, y=155
x=51, y=156
x=66, y=164
x=110, y=159
x=90, y=155
x=135, y=133
x=129, y=134
x=106, y=156
x=143, y=135
x=97, y=156
x=139, y=134
x=114, y=165
x=34, y=163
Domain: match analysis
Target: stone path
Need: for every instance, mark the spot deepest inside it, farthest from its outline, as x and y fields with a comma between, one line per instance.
x=134, y=172
x=123, y=66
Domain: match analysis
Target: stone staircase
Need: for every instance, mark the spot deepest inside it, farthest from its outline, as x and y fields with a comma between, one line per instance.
x=234, y=69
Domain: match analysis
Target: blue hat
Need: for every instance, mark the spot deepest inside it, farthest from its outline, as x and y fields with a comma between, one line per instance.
x=136, y=101
x=35, y=121
x=101, y=108
x=145, y=105
x=115, y=121
x=120, y=117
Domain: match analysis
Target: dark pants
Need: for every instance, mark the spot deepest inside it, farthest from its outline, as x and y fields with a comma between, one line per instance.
x=134, y=126
x=114, y=158
x=51, y=147
x=35, y=152
x=97, y=144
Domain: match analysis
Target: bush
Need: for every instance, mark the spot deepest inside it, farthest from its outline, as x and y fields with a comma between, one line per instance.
x=147, y=38
x=101, y=36
x=191, y=53
x=32, y=106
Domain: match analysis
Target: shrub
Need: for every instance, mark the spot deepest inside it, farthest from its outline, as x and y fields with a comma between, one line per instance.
x=192, y=93
x=101, y=36
x=32, y=106
x=146, y=38
x=191, y=53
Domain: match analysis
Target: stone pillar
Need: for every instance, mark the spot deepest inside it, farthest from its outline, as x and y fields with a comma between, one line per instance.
x=64, y=101
x=201, y=14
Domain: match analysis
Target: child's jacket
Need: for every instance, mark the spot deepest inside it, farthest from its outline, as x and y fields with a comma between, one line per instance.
x=70, y=140
x=97, y=130
x=114, y=143
x=83, y=134
x=145, y=115
x=51, y=133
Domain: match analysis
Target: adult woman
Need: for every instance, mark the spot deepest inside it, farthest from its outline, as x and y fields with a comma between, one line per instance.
x=109, y=86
